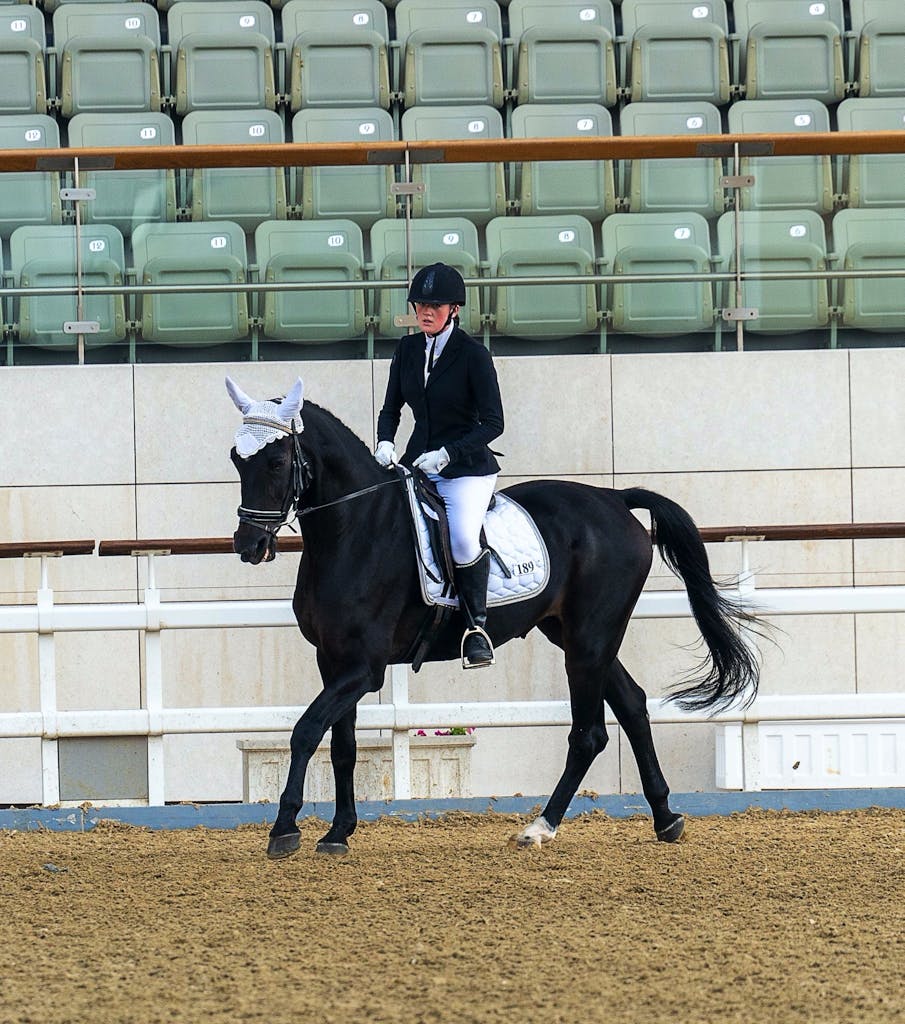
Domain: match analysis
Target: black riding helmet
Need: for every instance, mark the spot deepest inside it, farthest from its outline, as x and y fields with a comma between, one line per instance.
x=438, y=283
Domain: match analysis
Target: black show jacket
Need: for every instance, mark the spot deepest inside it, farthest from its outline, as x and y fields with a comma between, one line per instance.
x=459, y=409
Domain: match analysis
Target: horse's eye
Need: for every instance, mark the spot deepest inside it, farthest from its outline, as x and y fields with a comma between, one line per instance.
x=276, y=462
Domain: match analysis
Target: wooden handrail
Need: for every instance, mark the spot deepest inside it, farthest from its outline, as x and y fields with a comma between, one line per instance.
x=709, y=534
x=25, y=549
x=308, y=154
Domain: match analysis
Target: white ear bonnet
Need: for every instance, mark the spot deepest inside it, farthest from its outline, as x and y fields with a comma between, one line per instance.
x=264, y=422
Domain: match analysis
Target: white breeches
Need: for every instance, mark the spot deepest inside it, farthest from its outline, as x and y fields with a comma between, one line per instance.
x=466, y=499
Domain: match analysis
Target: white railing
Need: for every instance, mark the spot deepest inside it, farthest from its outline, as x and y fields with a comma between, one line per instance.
x=152, y=616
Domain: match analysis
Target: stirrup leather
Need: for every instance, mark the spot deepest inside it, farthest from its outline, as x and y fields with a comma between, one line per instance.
x=471, y=631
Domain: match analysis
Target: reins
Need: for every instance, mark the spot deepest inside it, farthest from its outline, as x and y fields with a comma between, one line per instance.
x=347, y=497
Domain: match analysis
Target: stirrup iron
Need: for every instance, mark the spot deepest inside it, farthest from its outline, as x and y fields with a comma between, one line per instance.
x=471, y=631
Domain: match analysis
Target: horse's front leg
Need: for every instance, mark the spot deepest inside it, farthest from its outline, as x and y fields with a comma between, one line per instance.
x=343, y=754
x=340, y=695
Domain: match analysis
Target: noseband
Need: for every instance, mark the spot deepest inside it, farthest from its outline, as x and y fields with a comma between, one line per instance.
x=271, y=521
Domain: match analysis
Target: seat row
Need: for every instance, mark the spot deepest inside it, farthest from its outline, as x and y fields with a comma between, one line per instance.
x=654, y=246
x=593, y=189
x=235, y=54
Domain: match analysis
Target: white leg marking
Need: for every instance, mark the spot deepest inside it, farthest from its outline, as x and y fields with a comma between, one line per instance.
x=535, y=834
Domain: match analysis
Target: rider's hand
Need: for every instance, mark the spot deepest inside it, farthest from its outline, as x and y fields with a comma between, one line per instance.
x=432, y=462
x=386, y=454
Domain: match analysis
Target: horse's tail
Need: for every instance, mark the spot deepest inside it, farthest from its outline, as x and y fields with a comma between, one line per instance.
x=731, y=670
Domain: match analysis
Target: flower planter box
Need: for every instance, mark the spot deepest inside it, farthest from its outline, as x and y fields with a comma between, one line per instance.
x=440, y=767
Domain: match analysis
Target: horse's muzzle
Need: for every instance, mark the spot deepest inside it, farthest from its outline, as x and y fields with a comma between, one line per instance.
x=254, y=545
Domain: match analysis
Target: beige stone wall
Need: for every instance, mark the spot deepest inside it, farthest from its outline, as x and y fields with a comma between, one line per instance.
x=121, y=451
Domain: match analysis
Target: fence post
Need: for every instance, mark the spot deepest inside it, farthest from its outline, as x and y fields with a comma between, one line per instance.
x=47, y=677
x=402, y=762
x=750, y=729
x=154, y=688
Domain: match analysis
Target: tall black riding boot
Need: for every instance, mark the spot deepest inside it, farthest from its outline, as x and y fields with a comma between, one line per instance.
x=471, y=584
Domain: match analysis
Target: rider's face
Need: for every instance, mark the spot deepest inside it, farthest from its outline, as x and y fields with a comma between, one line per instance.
x=432, y=316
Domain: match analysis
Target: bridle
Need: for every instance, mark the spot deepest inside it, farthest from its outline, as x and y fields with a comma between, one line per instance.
x=271, y=521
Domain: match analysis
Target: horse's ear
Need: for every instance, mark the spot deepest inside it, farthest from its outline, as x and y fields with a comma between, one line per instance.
x=292, y=403
x=242, y=402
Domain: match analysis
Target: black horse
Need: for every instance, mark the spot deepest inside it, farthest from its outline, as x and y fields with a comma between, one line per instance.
x=357, y=600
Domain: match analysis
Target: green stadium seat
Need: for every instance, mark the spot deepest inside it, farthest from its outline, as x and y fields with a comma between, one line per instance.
x=126, y=199
x=222, y=54
x=22, y=44
x=451, y=51
x=245, y=195
x=879, y=26
x=203, y=253
x=868, y=240
x=658, y=243
x=300, y=251
x=791, y=49
x=875, y=179
x=32, y=197
x=338, y=53
x=659, y=186
x=564, y=51
x=584, y=187
x=476, y=191
x=678, y=50
x=542, y=247
x=107, y=57
x=787, y=182
x=360, y=193
x=451, y=240
x=777, y=241
x=45, y=256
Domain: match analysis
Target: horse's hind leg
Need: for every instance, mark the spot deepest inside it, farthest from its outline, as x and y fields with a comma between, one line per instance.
x=587, y=738
x=629, y=705
x=343, y=752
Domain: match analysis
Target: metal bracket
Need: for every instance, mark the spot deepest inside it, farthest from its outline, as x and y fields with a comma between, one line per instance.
x=744, y=536
x=407, y=188
x=408, y=320
x=75, y=194
x=737, y=180
x=81, y=327
x=741, y=313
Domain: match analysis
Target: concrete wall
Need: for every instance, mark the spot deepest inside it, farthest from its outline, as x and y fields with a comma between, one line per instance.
x=141, y=451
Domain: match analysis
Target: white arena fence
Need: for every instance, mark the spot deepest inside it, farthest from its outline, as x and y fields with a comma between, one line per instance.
x=740, y=744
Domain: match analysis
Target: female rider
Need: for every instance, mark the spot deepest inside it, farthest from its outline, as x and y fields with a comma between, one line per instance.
x=449, y=382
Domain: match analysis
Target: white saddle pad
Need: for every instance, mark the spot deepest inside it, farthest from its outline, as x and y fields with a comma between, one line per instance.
x=511, y=533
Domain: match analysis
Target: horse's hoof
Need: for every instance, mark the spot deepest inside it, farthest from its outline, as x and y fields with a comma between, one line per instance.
x=523, y=842
x=535, y=835
x=332, y=849
x=281, y=847
x=673, y=832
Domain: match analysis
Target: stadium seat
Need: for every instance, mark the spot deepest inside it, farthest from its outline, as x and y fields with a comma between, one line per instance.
x=31, y=197
x=299, y=251
x=126, y=199
x=875, y=179
x=451, y=240
x=107, y=57
x=245, y=195
x=22, y=44
x=222, y=54
x=451, y=51
x=787, y=182
x=542, y=247
x=476, y=191
x=208, y=252
x=691, y=185
x=777, y=241
x=44, y=256
x=658, y=243
x=565, y=186
x=361, y=193
x=790, y=49
x=564, y=51
x=677, y=50
x=879, y=26
x=869, y=240
x=338, y=53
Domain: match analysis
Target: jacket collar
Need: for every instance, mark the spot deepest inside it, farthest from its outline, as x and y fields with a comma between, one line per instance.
x=447, y=357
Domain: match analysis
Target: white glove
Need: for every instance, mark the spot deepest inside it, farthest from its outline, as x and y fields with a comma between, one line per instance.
x=432, y=462
x=386, y=454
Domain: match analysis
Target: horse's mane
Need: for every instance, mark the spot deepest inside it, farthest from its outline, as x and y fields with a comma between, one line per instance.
x=335, y=427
